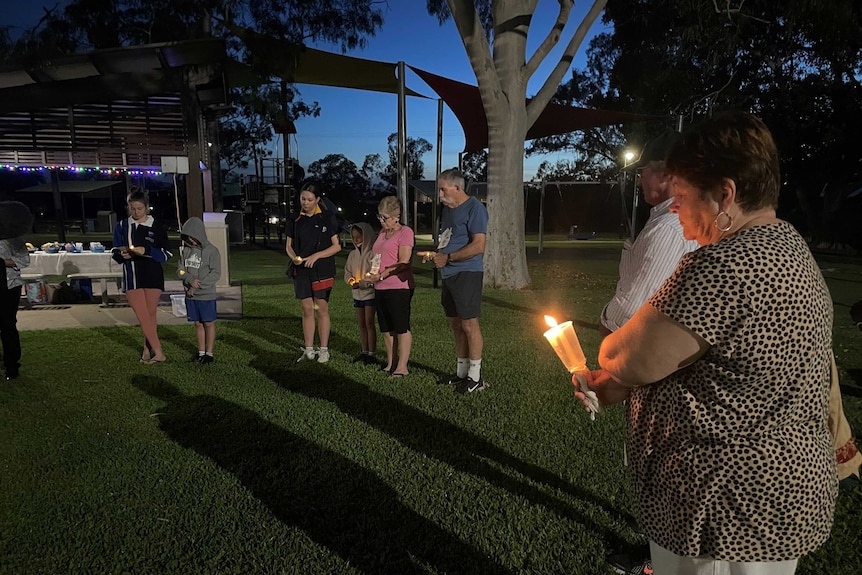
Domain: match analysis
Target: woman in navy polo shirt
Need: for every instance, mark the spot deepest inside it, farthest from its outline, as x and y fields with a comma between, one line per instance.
x=312, y=242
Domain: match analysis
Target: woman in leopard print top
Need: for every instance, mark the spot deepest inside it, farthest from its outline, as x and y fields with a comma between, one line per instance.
x=727, y=370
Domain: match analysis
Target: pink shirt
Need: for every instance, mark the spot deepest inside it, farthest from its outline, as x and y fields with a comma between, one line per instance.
x=388, y=250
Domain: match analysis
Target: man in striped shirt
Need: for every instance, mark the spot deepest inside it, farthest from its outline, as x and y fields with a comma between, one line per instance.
x=644, y=265
x=652, y=257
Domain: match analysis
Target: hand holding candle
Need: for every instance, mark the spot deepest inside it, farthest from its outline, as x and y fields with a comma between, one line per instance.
x=565, y=342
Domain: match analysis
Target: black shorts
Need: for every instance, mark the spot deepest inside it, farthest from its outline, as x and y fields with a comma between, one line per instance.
x=461, y=295
x=306, y=284
x=393, y=310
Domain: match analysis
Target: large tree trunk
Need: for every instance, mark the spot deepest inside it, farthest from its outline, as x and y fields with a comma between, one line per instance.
x=505, y=255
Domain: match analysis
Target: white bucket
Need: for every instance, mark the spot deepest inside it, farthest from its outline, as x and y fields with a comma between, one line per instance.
x=178, y=305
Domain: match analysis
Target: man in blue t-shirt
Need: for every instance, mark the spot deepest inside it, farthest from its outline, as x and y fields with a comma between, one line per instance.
x=459, y=255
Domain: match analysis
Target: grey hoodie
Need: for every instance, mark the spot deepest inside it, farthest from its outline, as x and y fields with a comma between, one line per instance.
x=359, y=263
x=201, y=262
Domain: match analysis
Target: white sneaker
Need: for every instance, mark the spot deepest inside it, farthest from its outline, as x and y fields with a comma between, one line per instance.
x=322, y=355
x=307, y=355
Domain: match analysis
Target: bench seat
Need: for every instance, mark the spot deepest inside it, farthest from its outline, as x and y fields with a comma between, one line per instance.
x=103, y=278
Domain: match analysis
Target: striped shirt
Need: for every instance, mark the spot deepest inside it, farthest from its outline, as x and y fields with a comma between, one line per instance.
x=646, y=263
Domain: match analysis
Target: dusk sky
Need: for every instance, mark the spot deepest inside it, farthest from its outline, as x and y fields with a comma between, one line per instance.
x=355, y=122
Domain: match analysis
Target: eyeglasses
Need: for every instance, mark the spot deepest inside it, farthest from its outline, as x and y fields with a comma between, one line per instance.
x=383, y=218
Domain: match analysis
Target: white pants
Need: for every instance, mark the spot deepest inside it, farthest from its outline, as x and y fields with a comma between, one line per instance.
x=666, y=562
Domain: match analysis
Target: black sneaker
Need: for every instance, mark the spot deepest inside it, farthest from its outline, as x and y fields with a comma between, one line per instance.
x=451, y=380
x=626, y=565
x=469, y=386
x=206, y=359
x=196, y=358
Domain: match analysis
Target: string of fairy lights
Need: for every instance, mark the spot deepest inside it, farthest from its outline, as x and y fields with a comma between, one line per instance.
x=82, y=170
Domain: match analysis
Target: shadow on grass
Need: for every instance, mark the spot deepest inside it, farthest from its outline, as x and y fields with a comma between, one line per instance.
x=274, y=326
x=435, y=438
x=339, y=504
x=851, y=389
x=136, y=341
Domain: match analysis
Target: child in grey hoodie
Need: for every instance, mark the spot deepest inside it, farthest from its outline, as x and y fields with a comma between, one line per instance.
x=200, y=269
x=355, y=270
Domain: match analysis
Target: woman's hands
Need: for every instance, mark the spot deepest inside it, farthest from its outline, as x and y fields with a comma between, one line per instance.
x=606, y=388
x=128, y=252
x=309, y=261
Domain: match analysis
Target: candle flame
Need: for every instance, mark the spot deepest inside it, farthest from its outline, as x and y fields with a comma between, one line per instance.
x=550, y=321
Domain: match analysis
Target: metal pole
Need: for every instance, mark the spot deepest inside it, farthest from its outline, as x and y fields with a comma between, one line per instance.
x=623, y=201
x=633, y=231
x=58, y=204
x=402, y=141
x=541, y=216
x=435, y=201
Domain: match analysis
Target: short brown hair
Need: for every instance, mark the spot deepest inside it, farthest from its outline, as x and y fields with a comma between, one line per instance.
x=733, y=145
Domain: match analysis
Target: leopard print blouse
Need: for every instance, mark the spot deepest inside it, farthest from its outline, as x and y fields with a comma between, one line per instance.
x=731, y=456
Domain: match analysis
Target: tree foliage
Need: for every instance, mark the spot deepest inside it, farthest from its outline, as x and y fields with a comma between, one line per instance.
x=474, y=165
x=341, y=180
x=416, y=148
x=797, y=64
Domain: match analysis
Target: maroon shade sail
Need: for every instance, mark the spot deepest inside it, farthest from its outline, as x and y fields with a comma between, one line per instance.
x=466, y=103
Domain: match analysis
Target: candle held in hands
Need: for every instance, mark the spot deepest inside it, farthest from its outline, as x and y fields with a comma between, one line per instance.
x=565, y=342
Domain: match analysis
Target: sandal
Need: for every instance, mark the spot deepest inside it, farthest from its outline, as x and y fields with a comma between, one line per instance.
x=395, y=375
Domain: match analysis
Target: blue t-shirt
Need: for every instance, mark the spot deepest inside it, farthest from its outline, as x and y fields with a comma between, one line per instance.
x=457, y=228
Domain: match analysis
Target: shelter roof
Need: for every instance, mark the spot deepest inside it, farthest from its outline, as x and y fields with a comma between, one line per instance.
x=302, y=65
x=98, y=188
x=120, y=107
x=466, y=103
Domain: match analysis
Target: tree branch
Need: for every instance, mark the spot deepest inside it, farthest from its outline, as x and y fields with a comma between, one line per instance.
x=476, y=44
x=729, y=11
x=551, y=39
x=549, y=88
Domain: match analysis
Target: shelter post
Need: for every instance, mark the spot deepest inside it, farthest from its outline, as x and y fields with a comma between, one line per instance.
x=58, y=204
x=542, y=217
x=435, y=201
x=402, y=141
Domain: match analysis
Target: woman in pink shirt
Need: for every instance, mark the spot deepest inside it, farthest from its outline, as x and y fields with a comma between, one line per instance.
x=392, y=275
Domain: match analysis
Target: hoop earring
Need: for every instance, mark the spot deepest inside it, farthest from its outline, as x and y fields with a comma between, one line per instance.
x=723, y=229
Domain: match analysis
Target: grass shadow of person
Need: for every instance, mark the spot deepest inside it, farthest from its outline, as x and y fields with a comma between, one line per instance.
x=440, y=440
x=134, y=340
x=338, y=503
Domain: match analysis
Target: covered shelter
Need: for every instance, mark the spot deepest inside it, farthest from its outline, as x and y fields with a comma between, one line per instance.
x=117, y=111
x=97, y=195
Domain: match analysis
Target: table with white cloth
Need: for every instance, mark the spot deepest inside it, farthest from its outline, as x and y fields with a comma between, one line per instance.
x=76, y=265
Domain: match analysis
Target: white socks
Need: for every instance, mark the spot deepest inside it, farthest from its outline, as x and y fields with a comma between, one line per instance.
x=463, y=366
x=475, y=370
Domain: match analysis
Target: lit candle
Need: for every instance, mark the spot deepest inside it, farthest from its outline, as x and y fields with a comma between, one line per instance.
x=353, y=281
x=182, y=272
x=565, y=342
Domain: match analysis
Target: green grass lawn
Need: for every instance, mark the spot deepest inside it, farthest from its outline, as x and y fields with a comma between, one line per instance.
x=257, y=465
